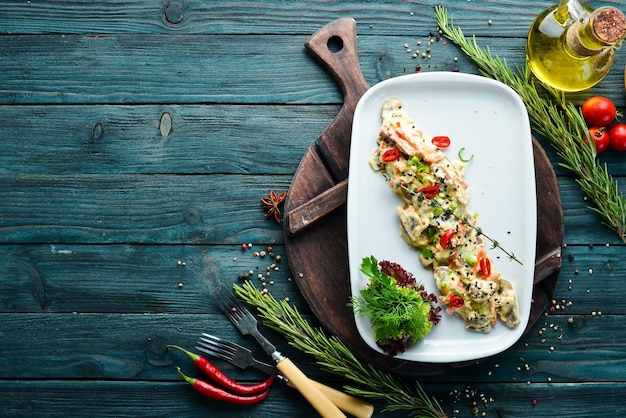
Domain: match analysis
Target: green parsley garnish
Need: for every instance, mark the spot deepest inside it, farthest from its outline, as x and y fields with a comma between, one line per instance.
x=400, y=310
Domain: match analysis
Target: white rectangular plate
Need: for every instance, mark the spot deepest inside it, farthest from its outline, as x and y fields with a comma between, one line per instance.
x=489, y=120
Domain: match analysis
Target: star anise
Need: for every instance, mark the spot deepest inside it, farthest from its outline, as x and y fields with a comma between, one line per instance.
x=272, y=204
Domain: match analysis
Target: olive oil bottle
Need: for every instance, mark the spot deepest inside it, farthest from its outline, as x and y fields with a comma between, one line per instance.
x=571, y=47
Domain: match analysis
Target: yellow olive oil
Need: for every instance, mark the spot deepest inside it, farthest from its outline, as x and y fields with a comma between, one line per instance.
x=564, y=49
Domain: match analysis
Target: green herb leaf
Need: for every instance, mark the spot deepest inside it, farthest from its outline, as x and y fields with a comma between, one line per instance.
x=333, y=356
x=394, y=314
x=399, y=314
x=552, y=117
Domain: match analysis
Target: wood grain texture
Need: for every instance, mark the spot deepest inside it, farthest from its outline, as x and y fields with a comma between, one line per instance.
x=257, y=17
x=120, y=69
x=58, y=278
x=116, y=46
x=136, y=209
x=114, y=140
x=121, y=398
x=61, y=278
x=133, y=346
x=137, y=134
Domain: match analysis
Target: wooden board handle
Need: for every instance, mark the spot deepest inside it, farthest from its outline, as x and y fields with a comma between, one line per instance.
x=347, y=403
x=318, y=207
x=311, y=393
x=335, y=46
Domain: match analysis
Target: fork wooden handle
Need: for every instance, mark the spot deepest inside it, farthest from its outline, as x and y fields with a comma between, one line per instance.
x=311, y=392
x=347, y=403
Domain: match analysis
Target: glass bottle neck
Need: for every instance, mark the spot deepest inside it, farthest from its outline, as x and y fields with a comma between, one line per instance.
x=603, y=28
x=568, y=11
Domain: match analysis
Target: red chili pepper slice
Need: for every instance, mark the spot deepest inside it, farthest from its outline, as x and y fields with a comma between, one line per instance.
x=213, y=392
x=485, y=266
x=429, y=191
x=390, y=155
x=456, y=301
x=217, y=376
x=444, y=241
x=441, y=141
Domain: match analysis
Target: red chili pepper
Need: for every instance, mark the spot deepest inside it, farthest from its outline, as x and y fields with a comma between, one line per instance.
x=456, y=301
x=217, y=376
x=485, y=266
x=441, y=141
x=390, y=155
x=429, y=191
x=219, y=394
x=444, y=241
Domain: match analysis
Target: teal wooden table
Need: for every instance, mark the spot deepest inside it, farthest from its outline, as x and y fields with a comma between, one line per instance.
x=137, y=139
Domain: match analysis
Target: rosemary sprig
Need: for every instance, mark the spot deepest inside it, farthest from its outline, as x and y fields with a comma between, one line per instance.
x=333, y=356
x=555, y=119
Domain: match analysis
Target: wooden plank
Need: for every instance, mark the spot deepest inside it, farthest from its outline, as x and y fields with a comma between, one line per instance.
x=93, y=346
x=125, y=69
x=152, y=139
x=515, y=400
x=57, y=278
x=137, y=208
x=149, y=399
x=164, y=208
x=261, y=17
x=582, y=224
x=113, y=399
x=122, y=346
x=202, y=139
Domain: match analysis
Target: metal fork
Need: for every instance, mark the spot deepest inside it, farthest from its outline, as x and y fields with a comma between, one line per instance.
x=241, y=317
x=246, y=323
x=235, y=354
x=242, y=357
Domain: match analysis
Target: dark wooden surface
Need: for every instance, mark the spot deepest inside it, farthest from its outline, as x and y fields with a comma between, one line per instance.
x=139, y=134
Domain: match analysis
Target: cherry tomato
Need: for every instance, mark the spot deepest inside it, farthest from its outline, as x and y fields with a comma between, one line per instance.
x=456, y=301
x=429, y=191
x=441, y=141
x=617, y=137
x=444, y=241
x=600, y=137
x=391, y=155
x=599, y=111
x=485, y=266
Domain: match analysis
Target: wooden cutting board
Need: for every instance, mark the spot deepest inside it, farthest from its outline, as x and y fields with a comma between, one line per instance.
x=315, y=222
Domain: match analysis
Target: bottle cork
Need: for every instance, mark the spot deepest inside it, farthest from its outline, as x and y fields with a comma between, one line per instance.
x=609, y=25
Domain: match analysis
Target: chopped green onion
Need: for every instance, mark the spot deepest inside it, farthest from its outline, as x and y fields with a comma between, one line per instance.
x=461, y=156
x=470, y=259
